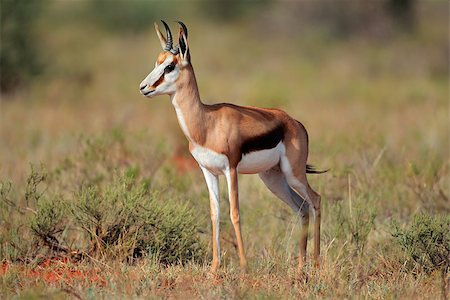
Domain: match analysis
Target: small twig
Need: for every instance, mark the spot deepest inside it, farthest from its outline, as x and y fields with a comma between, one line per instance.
x=443, y=195
x=340, y=252
x=96, y=260
x=30, y=209
x=232, y=242
x=350, y=195
x=53, y=243
x=329, y=246
x=72, y=292
x=378, y=158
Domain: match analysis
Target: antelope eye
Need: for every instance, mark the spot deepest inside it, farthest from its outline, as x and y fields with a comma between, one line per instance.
x=169, y=68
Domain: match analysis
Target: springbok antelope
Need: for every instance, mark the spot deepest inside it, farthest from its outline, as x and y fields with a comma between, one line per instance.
x=227, y=139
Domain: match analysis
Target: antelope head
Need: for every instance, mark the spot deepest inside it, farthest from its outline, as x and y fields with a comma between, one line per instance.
x=162, y=80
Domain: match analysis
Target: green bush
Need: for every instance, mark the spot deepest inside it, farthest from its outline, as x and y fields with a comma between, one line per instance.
x=27, y=217
x=10, y=237
x=49, y=220
x=126, y=220
x=426, y=241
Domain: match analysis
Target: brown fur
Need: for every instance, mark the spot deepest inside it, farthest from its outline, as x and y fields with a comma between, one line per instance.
x=163, y=56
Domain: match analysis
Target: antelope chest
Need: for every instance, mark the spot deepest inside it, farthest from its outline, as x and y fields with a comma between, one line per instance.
x=215, y=162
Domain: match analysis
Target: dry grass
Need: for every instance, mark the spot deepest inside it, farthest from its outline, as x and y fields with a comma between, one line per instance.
x=148, y=280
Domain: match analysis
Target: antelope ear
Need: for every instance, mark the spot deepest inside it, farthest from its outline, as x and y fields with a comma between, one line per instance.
x=183, y=45
x=161, y=37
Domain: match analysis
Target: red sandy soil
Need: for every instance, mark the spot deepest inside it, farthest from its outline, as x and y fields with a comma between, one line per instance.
x=54, y=270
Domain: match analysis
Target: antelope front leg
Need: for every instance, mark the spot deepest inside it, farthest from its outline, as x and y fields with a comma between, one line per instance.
x=233, y=192
x=212, y=182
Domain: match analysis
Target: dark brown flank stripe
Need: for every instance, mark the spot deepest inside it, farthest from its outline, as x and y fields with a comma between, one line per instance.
x=267, y=140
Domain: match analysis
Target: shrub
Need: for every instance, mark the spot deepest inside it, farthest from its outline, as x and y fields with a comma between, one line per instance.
x=27, y=217
x=126, y=220
x=48, y=221
x=427, y=242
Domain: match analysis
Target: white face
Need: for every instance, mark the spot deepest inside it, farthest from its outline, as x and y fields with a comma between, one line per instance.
x=162, y=80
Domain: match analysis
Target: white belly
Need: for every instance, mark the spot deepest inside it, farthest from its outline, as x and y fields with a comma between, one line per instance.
x=251, y=163
x=259, y=161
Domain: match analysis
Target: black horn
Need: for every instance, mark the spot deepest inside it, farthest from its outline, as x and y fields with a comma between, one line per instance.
x=169, y=37
x=184, y=28
x=181, y=46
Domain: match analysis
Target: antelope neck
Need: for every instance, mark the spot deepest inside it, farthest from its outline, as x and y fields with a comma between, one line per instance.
x=189, y=108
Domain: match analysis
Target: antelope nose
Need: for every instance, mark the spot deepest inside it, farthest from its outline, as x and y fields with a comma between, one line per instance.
x=143, y=87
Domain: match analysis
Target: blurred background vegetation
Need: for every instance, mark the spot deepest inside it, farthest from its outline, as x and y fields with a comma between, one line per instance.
x=369, y=79
x=25, y=25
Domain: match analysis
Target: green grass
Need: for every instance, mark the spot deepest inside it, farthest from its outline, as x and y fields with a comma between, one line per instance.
x=376, y=110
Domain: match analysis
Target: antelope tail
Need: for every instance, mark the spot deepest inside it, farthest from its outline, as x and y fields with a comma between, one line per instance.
x=310, y=169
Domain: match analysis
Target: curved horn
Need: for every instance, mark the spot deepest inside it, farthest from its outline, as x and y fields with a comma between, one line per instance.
x=169, y=37
x=184, y=28
x=176, y=50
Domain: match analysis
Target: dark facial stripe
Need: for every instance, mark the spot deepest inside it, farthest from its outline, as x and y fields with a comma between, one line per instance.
x=159, y=81
x=268, y=140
